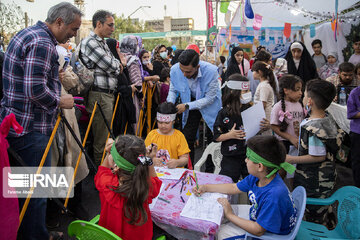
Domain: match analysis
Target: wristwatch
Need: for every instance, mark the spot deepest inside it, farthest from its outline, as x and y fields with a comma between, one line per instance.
x=186, y=106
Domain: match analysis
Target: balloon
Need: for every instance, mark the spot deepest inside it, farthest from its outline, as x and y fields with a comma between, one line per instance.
x=173, y=47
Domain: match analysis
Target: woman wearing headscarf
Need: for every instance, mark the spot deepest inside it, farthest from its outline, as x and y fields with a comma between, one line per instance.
x=153, y=89
x=300, y=62
x=237, y=63
x=160, y=59
x=331, y=67
x=125, y=112
x=130, y=48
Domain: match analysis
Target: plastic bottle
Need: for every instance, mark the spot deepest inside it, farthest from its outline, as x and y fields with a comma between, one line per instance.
x=342, y=97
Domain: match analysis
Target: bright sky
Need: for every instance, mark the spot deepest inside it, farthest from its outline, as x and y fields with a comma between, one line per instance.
x=175, y=8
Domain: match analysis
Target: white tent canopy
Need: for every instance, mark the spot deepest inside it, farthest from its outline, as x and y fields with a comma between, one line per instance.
x=275, y=13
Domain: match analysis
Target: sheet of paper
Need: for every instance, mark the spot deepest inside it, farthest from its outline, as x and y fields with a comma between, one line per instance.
x=251, y=118
x=205, y=207
x=152, y=205
x=167, y=173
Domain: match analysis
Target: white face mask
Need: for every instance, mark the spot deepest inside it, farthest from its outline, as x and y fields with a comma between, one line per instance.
x=163, y=55
x=145, y=62
x=245, y=98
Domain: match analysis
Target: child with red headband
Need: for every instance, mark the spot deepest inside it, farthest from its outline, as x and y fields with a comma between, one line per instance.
x=173, y=150
x=127, y=183
x=272, y=208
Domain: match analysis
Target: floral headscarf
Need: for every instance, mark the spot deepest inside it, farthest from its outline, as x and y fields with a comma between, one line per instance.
x=156, y=55
x=130, y=47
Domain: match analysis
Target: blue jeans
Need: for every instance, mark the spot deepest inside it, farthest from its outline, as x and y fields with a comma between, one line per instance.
x=30, y=148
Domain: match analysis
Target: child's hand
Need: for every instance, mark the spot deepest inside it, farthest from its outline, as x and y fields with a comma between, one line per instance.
x=198, y=191
x=226, y=205
x=172, y=163
x=236, y=134
x=109, y=144
x=264, y=124
x=151, y=150
x=158, y=162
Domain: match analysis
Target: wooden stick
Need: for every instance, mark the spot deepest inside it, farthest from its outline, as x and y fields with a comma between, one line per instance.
x=23, y=210
x=79, y=157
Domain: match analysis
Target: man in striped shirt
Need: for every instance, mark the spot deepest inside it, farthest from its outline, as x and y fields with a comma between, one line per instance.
x=97, y=55
x=31, y=88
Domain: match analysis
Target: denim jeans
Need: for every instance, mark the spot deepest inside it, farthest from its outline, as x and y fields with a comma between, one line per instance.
x=30, y=148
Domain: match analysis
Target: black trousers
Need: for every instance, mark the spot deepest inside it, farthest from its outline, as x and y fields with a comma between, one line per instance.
x=355, y=157
x=190, y=130
x=234, y=167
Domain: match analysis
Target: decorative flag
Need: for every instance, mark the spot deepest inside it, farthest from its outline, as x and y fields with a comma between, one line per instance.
x=336, y=20
x=223, y=6
x=228, y=17
x=212, y=34
x=267, y=35
x=257, y=22
x=287, y=30
x=284, y=39
x=209, y=10
x=248, y=10
x=312, y=30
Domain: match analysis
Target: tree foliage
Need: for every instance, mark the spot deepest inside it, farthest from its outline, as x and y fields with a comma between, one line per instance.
x=12, y=20
x=127, y=25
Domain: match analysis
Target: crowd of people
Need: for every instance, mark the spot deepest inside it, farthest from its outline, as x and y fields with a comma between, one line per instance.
x=154, y=101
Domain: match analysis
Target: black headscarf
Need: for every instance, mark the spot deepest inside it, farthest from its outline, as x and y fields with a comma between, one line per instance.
x=233, y=66
x=175, y=59
x=307, y=68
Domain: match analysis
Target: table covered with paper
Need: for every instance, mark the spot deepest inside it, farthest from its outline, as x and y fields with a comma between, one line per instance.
x=182, y=214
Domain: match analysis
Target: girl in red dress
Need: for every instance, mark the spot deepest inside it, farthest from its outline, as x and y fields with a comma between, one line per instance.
x=127, y=183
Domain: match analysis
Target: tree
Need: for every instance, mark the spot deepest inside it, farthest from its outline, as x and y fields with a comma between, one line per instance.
x=11, y=21
x=127, y=25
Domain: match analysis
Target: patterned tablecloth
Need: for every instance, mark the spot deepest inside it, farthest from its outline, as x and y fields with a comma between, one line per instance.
x=167, y=215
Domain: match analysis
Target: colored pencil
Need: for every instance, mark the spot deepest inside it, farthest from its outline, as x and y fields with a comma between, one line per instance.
x=176, y=183
x=196, y=181
x=162, y=199
x=182, y=199
x=167, y=186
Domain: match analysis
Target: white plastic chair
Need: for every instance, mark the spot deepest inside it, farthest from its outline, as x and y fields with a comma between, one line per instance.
x=212, y=149
x=299, y=197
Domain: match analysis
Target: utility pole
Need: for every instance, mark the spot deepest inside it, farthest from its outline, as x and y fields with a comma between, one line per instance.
x=80, y=4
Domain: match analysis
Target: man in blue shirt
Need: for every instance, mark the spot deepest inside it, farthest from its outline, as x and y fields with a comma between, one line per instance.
x=31, y=88
x=197, y=84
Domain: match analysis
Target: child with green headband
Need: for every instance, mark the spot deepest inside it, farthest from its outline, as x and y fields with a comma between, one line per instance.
x=127, y=183
x=272, y=208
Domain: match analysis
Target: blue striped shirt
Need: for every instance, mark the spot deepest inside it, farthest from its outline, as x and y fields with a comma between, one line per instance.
x=31, y=84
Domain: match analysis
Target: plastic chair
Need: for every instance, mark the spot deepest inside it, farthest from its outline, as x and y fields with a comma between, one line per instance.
x=348, y=215
x=84, y=230
x=214, y=150
x=299, y=196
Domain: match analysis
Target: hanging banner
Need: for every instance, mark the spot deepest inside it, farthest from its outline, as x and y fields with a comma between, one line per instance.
x=224, y=6
x=209, y=10
x=276, y=38
x=287, y=30
x=257, y=22
x=312, y=30
x=228, y=17
x=212, y=34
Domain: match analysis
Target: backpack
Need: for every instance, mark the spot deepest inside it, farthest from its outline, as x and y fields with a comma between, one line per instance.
x=83, y=71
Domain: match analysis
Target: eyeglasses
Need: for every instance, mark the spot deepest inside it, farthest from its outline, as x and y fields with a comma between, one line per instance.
x=110, y=24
